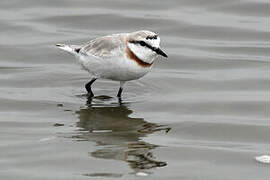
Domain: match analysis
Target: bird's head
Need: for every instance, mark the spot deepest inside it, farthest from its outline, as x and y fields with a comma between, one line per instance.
x=145, y=45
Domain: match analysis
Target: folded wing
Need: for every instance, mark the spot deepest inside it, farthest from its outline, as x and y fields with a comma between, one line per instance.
x=107, y=46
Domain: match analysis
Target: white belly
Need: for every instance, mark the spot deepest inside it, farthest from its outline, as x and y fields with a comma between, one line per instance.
x=118, y=69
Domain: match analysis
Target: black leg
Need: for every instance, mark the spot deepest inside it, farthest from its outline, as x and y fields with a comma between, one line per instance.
x=88, y=87
x=119, y=92
x=120, y=89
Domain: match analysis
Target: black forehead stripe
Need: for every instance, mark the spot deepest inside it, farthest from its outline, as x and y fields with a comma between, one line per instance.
x=144, y=44
x=151, y=37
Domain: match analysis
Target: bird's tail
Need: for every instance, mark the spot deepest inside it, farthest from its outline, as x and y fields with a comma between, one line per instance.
x=72, y=49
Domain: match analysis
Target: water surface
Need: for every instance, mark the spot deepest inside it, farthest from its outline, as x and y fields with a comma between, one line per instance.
x=202, y=114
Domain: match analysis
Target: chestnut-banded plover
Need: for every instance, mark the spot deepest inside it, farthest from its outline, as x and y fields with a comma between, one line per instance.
x=119, y=57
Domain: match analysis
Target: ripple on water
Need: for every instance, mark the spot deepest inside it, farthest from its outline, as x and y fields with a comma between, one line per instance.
x=205, y=108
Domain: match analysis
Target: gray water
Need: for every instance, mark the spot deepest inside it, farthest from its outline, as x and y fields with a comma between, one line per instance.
x=203, y=114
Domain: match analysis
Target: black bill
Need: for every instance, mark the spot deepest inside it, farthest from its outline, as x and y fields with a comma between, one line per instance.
x=160, y=52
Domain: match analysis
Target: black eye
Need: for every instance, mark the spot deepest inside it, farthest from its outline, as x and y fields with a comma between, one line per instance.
x=142, y=43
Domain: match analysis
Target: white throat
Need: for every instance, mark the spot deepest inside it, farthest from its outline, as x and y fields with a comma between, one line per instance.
x=143, y=53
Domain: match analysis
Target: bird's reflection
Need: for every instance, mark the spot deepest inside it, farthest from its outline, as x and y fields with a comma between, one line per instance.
x=119, y=135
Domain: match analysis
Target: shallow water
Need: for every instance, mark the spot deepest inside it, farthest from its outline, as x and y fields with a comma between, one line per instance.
x=201, y=114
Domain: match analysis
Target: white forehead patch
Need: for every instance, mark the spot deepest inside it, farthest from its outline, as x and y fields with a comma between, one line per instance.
x=153, y=42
